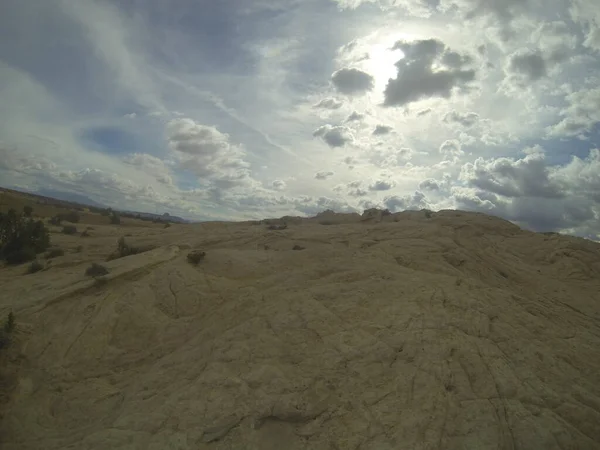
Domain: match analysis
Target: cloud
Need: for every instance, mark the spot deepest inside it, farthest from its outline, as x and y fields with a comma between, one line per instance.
x=355, y=189
x=130, y=116
x=355, y=116
x=334, y=136
x=415, y=201
x=323, y=175
x=451, y=149
x=417, y=78
x=381, y=185
x=465, y=119
x=329, y=103
x=586, y=13
x=351, y=81
x=582, y=114
x=151, y=165
x=504, y=10
x=530, y=64
x=429, y=185
x=390, y=157
x=381, y=130
x=528, y=176
x=207, y=152
x=279, y=185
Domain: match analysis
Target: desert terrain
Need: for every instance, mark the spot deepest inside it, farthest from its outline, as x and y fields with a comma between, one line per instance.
x=415, y=330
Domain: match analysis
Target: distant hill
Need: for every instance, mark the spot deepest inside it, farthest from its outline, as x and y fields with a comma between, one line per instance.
x=63, y=199
x=164, y=217
x=68, y=197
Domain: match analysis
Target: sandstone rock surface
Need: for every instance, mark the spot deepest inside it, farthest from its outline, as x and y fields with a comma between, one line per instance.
x=458, y=331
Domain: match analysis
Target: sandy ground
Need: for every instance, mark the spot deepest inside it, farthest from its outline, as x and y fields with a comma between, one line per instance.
x=460, y=331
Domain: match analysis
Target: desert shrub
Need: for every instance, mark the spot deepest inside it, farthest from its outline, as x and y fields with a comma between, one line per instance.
x=115, y=219
x=96, y=270
x=54, y=220
x=386, y=212
x=124, y=249
x=79, y=249
x=69, y=229
x=167, y=225
x=195, y=257
x=106, y=212
x=428, y=214
x=71, y=216
x=27, y=211
x=9, y=324
x=21, y=238
x=6, y=330
x=54, y=252
x=35, y=266
x=85, y=233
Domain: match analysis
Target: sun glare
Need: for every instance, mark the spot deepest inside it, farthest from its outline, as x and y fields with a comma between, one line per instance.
x=382, y=59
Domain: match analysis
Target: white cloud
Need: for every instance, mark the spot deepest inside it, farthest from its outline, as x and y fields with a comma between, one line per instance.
x=334, y=136
x=587, y=13
x=418, y=78
x=381, y=130
x=208, y=153
x=352, y=81
x=465, y=119
x=355, y=116
x=323, y=175
x=279, y=185
x=151, y=165
x=381, y=185
x=451, y=149
x=329, y=103
x=580, y=116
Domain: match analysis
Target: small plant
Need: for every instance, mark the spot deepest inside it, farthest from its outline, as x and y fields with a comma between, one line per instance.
x=79, y=249
x=195, y=257
x=69, y=229
x=71, y=216
x=20, y=238
x=27, y=211
x=96, y=270
x=9, y=325
x=35, y=266
x=54, y=221
x=54, y=252
x=298, y=247
x=115, y=219
x=85, y=233
x=428, y=214
x=167, y=225
x=124, y=249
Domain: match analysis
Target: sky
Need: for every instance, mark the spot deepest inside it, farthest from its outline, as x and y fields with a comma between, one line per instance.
x=246, y=109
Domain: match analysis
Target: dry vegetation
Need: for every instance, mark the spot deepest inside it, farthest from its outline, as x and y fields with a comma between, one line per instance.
x=441, y=330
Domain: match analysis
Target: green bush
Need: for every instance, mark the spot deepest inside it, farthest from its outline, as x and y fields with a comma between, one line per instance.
x=35, y=266
x=71, y=216
x=27, y=211
x=195, y=257
x=69, y=229
x=6, y=330
x=54, y=221
x=9, y=325
x=21, y=238
x=54, y=252
x=96, y=270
